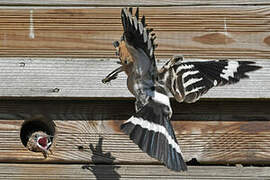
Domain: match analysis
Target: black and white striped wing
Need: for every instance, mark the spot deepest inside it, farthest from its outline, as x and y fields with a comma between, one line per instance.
x=150, y=127
x=193, y=79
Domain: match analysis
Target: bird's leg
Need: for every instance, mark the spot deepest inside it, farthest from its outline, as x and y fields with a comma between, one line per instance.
x=113, y=75
x=171, y=62
x=176, y=58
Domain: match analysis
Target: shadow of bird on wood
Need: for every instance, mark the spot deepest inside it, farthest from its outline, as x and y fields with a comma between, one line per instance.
x=103, y=163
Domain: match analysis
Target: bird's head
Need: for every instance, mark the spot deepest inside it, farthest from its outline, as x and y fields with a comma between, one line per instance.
x=42, y=141
x=122, y=52
x=125, y=58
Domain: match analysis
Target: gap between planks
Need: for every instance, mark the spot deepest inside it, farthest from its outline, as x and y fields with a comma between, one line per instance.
x=94, y=110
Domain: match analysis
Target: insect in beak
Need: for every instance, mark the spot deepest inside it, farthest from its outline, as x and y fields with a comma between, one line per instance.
x=113, y=75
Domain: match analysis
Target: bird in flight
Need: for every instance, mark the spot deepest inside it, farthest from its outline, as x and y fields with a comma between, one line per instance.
x=150, y=127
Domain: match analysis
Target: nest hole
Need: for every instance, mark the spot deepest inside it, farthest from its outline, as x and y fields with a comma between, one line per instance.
x=36, y=124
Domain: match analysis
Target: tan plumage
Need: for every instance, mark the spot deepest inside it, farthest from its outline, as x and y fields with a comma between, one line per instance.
x=32, y=143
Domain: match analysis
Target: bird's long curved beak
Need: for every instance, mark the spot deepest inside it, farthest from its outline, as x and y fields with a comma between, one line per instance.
x=113, y=75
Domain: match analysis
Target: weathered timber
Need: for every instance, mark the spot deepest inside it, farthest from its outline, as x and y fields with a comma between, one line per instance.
x=88, y=143
x=217, y=142
x=194, y=31
x=81, y=78
x=132, y=2
x=81, y=171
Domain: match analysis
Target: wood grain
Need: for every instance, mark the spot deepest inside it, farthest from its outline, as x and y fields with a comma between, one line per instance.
x=194, y=31
x=209, y=132
x=212, y=132
x=132, y=3
x=60, y=171
x=209, y=142
x=81, y=78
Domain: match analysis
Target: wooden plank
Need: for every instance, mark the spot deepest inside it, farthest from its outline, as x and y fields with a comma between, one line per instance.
x=195, y=32
x=79, y=171
x=131, y=3
x=209, y=142
x=81, y=78
x=232, y=131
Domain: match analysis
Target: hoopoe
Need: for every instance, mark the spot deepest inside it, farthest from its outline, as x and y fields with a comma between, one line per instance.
x=150, y=127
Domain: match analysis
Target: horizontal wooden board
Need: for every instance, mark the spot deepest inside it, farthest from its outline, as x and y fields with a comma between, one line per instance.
x=207, y=142
x=81, y=78
x=81, y=171
x=227, y=132
x=194, y=31
x=132, y=3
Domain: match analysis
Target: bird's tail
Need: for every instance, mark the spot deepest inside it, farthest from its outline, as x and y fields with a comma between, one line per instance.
x=152, y=131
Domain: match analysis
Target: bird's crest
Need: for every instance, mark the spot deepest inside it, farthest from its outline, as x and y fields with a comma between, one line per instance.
x=142, y=38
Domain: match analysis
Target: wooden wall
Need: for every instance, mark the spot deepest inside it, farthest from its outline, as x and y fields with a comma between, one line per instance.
x=53, y=55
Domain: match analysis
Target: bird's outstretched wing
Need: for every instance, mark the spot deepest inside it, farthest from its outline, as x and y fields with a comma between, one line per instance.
x=150, y=126
x=140, y=45
x=151, y=129
x=188, y=81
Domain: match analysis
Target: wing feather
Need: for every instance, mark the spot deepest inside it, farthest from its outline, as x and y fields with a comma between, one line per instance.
x=193, y=79
x=150, y=127
x=154, y=134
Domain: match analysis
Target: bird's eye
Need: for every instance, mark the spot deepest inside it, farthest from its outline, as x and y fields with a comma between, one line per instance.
x=36, y=136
